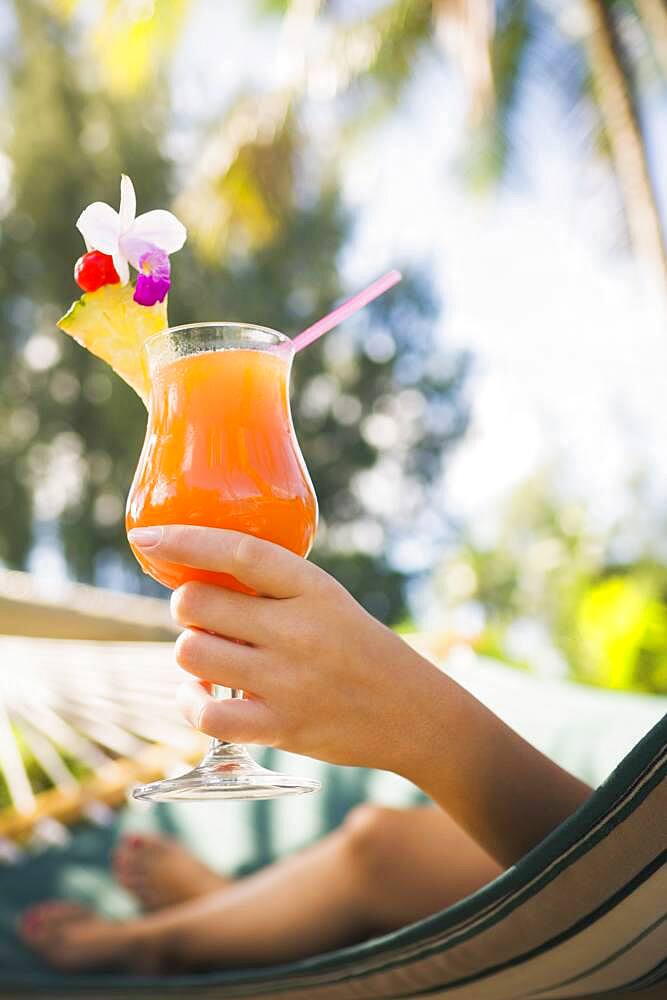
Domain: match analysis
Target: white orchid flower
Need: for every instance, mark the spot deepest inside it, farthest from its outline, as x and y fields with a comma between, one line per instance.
x=124, y=235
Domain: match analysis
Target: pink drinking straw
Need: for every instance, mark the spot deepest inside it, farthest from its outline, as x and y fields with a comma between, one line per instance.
x=346, y=309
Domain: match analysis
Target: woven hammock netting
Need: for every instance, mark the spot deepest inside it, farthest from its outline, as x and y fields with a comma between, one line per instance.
x=81, y=719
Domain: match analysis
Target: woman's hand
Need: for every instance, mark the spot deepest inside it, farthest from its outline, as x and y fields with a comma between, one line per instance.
x=329, y=681
x=323, y=677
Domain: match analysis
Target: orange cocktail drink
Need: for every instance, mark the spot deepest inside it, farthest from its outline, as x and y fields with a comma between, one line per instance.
x=221, y=452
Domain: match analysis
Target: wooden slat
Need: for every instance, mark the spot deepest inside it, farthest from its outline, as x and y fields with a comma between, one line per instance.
x=34, y=608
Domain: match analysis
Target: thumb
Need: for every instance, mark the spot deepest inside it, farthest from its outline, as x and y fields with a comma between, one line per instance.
x=235, y=720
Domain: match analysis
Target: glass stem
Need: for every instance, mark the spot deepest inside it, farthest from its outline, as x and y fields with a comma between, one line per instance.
x=217, y=692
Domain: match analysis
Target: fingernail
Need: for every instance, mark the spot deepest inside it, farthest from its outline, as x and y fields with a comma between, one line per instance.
x=145, y=538
x=135, y=840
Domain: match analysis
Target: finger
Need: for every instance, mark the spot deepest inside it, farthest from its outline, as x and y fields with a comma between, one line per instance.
x=225, y=612
x=265, y=567
x=219, y=661
x=237, y=720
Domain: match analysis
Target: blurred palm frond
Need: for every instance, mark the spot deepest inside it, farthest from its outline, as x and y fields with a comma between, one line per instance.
x=653, y=15
x=244, y=180
x=490, y=137
x=466, y=29
x=129, y=41
x=614, y=86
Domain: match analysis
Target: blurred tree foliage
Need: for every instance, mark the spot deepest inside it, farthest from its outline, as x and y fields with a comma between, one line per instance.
x=600, y=607
x=597, y=54
x=375, y=403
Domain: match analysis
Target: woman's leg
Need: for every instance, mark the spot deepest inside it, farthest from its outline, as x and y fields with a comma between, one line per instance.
x=382, y=869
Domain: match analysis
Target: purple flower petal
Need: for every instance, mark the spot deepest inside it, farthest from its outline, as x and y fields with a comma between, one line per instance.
x=153, y=280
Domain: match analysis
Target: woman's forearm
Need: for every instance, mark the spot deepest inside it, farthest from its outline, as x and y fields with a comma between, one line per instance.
x=502, y=791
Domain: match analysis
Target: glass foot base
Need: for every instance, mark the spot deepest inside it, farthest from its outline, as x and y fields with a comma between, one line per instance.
x=227, y=772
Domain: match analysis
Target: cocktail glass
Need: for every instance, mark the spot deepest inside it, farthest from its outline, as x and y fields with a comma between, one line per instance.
x=221, y=451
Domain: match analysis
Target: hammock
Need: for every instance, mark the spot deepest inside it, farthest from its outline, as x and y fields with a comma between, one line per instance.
x=582, y=915
x=95, y=718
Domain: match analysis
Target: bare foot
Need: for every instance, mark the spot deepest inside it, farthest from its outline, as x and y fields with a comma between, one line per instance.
x=72, y=938
x=160, y=872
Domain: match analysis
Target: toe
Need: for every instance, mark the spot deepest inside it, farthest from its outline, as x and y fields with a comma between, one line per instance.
x=134, y=860
x=41, y=922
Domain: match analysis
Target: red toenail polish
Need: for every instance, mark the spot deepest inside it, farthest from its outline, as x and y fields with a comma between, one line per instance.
x=31, y=921
x=135, y=841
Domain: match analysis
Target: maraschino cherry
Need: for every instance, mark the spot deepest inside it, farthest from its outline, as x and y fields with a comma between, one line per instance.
x=94, y=270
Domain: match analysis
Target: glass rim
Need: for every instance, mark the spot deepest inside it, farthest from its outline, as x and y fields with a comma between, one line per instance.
x=281, y=339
